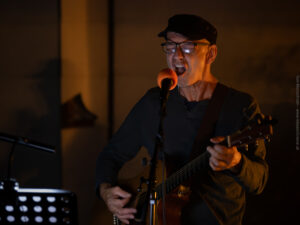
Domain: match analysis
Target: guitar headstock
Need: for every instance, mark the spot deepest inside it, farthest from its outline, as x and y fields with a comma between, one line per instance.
x=261, y=127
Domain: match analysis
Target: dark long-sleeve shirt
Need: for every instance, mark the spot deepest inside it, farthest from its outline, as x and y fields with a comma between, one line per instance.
x=222, y=192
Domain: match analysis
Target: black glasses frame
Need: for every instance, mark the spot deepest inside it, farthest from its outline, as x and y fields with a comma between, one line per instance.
x=179, y=44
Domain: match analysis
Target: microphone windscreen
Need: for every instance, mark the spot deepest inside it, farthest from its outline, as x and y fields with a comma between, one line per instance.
x=167, y=73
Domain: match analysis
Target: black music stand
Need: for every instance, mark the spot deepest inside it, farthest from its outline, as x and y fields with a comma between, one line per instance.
x=34, y=206
x=37, y=206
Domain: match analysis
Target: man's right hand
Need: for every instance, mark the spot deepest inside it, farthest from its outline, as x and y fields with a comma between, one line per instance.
x=115, y=199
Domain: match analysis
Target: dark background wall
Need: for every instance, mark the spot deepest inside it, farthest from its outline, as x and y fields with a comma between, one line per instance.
x=259, y=52
x=30, y=88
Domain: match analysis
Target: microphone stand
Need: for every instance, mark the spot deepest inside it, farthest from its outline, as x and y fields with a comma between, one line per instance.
x=151, y=195
x=9, y=186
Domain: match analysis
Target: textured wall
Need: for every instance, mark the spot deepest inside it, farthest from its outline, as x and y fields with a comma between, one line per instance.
x=30, y=88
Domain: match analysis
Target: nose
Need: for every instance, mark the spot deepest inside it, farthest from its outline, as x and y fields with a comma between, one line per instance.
x=178, y=53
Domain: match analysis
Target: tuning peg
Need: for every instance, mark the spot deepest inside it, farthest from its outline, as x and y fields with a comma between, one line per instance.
x=258, y=121
x=256, y=143
x=267, y=139
x=246, y=147
x=269, y=120
x=258, y=118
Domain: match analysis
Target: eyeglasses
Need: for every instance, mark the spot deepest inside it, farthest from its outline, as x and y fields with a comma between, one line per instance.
x=187, y=47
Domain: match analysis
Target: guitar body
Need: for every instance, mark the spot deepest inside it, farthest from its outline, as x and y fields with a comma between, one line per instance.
x=174, y=202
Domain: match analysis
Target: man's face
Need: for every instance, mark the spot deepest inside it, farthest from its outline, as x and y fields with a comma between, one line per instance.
x=189, y=67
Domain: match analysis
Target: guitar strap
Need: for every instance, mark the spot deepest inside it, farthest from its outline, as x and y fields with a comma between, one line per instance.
x=209, y=120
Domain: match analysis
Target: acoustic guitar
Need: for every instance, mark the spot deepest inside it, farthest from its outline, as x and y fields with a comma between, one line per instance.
x=260, y=128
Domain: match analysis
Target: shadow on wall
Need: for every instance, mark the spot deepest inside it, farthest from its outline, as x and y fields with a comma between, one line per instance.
x=273, y=75
x=276, y=71
x=274, y=66
x=278, y=204
x=33, y=106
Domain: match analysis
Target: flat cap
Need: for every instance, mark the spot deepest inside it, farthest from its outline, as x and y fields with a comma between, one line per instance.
x=192, y=26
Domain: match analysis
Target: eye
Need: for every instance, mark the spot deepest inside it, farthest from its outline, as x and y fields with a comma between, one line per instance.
x=187, y=47
x=187, y=51
x=169, y=47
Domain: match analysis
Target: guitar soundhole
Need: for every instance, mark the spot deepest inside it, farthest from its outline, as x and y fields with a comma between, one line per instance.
x=183, y=191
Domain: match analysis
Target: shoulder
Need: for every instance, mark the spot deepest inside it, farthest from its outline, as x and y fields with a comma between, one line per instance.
x=148, y=102
x=237, y=98
x=239, y=107
x=152, y=93
x=150, y=97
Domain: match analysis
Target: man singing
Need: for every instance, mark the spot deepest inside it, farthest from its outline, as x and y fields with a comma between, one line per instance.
x=218, y=192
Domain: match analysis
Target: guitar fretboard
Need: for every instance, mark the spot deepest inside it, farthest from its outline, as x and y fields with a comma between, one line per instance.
x=183, y=174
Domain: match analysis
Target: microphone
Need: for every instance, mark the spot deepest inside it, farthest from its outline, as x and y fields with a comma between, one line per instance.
x=167, y=79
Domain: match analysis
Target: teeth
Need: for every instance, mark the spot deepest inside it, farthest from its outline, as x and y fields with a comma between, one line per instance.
x=179, y=66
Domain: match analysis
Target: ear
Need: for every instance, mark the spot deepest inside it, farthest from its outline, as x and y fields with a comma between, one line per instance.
x=211, y=54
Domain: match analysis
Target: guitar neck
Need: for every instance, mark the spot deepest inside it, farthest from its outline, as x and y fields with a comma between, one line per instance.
x=183, y=174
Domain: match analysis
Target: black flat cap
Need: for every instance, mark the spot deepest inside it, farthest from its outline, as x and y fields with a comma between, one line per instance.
x=192, y=26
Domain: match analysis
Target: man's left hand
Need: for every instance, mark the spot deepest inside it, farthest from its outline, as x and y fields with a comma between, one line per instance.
x=223, y=158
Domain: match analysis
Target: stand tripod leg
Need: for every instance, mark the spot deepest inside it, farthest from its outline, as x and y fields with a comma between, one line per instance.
x=153, y=210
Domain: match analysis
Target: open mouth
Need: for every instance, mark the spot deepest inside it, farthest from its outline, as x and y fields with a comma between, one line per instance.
x=180, y=69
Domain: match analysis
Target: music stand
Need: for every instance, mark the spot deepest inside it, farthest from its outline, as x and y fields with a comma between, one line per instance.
x=34, y=206
x=37, y=206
